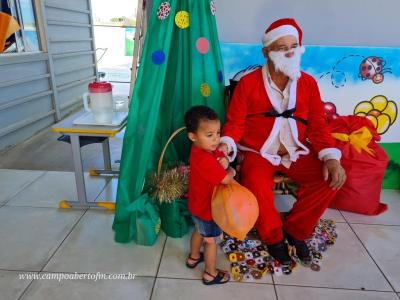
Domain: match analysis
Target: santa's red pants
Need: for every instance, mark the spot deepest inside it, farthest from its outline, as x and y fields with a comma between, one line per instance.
x=314, y=195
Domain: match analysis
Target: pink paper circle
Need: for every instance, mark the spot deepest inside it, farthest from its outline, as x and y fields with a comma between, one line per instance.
x=202, y=45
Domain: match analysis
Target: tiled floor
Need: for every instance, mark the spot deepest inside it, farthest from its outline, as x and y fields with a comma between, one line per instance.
x=38, y=238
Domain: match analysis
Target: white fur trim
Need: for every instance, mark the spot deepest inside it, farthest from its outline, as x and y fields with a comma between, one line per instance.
x=271, y=36
x=231, y=146
x=329, y=153
x=303, y=149
x=267, y=144
x=277, y=123
x=292, y=123
x=275, y=159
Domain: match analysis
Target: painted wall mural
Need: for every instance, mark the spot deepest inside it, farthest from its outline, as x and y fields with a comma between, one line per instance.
x=352, y=80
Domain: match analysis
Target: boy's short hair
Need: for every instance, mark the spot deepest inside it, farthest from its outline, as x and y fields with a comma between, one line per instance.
x=196, y=114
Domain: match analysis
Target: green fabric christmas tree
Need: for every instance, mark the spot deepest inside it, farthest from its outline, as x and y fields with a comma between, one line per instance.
x=181, y=66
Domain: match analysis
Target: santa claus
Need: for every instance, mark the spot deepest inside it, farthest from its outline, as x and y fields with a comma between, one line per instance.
x=276, y=119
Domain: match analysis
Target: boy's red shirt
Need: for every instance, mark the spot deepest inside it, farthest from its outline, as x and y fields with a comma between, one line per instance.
x=205, y=173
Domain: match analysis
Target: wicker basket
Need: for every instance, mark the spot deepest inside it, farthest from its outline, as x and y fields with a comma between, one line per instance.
x=175, y=217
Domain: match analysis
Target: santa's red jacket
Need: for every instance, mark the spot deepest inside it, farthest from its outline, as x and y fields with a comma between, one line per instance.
x=247, y=126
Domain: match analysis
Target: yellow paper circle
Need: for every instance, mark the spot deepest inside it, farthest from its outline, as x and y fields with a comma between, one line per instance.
x=182, y=19
x=379, y=102
x=205, y=90
x=391, y=111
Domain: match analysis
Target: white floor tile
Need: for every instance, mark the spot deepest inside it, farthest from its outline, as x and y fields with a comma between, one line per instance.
x=284, y=203
x=174, y=258
x=29, y=236
x=52, y=187
x=138, y=289
x=333, y=214
x=91, y=248
x=383, y=244
x=109, y=194
x=390, y=217
x=173, y=289
x=13, y=181
x=307, y=293
x=11, y=286
x=344, y=265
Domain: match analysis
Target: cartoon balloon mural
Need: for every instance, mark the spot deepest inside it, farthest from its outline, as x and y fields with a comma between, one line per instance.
x=330, y=111
x=380, y=111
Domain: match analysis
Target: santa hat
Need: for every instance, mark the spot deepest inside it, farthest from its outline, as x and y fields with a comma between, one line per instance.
x=280, y=28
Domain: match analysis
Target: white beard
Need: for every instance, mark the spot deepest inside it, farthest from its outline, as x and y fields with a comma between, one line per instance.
x=290, y=66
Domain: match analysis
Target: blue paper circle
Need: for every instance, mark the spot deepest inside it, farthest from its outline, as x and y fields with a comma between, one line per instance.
x=158, y=57
x=220, y=76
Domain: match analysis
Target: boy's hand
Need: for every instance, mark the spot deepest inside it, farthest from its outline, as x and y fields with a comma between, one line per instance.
x=232, y=171
x=224, y=162
x=229, y=177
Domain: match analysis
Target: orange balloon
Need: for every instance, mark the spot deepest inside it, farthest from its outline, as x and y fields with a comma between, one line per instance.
x=234, y=209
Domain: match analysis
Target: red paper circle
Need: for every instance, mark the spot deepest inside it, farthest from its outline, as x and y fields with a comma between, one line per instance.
x=202, y=45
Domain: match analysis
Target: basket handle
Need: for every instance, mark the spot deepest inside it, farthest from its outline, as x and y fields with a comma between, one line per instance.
x=165, y=149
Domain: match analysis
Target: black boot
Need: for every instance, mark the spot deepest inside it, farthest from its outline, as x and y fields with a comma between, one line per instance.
x=302, y=251
x=280, y=252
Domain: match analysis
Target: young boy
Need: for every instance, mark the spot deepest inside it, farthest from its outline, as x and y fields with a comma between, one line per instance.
x=208, y=168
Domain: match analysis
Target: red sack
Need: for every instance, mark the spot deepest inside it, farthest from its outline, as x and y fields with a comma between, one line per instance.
x=364, y=162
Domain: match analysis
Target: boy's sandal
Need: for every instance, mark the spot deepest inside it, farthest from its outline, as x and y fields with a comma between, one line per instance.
x=218, y=279
x=197, y=261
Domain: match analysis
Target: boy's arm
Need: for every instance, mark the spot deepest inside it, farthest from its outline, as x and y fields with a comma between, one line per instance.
x=209, y=169
x=224, y=162
x=229, y=176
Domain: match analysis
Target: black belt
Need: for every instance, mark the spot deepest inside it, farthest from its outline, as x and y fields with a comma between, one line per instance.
x=286, y=114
